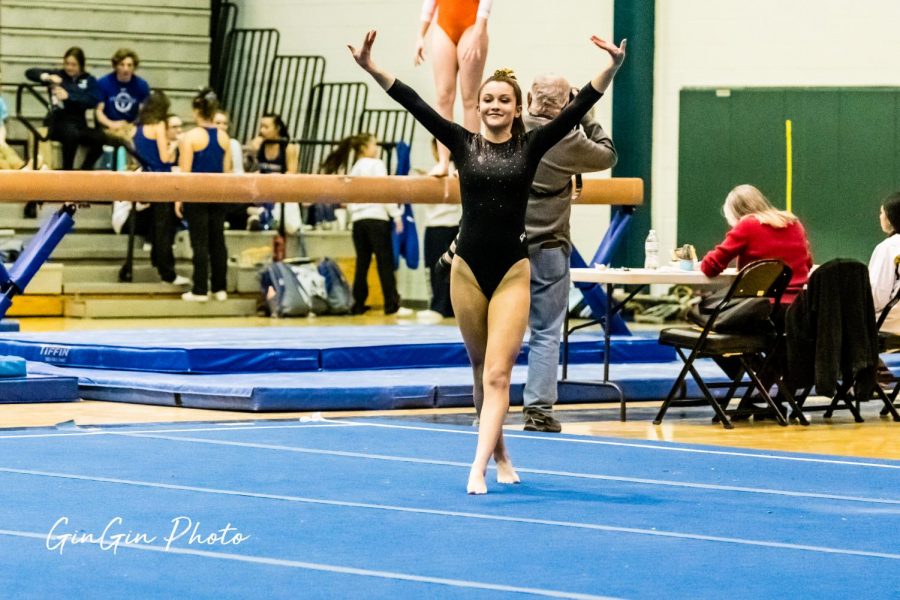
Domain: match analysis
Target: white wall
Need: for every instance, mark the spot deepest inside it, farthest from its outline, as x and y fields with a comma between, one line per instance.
x=715, y=43
x=721, y=43
x=530, y=36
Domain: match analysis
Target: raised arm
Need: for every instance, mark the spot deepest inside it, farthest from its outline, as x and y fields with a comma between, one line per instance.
x=43, y=75
x=547, y=136
x=447, y=132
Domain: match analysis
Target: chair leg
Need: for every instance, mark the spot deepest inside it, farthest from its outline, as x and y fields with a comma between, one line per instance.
x=888, y=405
x=796, y=410
x=765, y=393
x=842, y=395
x=893, y=399
x=676, y=387
x=801, y=398
x=726, y=422
x=745, y=403
x=732, y=390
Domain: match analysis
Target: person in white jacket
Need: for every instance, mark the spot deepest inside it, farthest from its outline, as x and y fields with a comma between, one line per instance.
x=884, y=271
x=371, y=224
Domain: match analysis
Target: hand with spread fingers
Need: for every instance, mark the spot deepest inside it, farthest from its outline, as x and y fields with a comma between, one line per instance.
x=363, y=57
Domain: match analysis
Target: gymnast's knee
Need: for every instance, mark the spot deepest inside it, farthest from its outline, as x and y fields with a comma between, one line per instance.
x=496, y=377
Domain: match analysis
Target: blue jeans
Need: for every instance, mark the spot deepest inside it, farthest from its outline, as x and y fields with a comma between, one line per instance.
x=549, y=299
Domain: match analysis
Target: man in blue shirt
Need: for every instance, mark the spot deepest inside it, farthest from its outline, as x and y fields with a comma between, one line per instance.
x=121, y=95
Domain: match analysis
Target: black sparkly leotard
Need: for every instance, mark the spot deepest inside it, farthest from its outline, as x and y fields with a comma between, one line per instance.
x=494, y=181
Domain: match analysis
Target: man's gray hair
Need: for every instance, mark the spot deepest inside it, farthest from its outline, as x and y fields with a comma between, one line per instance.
x=549, y=94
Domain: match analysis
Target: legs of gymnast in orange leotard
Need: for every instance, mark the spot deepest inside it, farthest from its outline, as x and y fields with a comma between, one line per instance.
x=459, y=47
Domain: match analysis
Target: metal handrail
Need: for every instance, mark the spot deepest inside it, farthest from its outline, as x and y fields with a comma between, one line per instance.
x=36, y=136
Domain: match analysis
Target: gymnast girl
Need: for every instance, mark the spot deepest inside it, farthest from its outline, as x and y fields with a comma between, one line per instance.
x=459, y=46
x=206, y=149
x=490, y=273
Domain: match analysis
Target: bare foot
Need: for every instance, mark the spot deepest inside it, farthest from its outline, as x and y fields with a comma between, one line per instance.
x=506, y=473
x=439, y=170
x=476, y=485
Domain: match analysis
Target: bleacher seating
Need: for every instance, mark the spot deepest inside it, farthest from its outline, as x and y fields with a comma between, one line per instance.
x=251, y=77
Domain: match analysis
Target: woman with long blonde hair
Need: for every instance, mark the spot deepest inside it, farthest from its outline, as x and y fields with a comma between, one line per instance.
x=761, y=231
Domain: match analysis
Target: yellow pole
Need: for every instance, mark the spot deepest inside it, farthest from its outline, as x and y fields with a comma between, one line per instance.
x=790, y=162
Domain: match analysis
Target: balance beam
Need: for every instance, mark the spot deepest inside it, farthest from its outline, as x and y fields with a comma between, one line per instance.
x=108, y=186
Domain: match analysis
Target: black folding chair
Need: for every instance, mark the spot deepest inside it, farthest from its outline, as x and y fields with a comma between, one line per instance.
x=761, y=279
x=889, y=342
x=845, y=396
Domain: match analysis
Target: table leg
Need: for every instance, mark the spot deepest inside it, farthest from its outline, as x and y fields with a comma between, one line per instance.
x=606, y=329
x=607, y=342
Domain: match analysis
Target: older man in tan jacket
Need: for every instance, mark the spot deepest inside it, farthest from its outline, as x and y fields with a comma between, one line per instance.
x=585, y=149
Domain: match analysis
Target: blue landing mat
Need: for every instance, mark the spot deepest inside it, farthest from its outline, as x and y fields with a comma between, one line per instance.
x=356, y=390
x=288, y=349
x=38, y=388
x=373, y=509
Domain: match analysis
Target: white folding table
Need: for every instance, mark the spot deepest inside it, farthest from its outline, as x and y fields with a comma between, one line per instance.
x=639, y=278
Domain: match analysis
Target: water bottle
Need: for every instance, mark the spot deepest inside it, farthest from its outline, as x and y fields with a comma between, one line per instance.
x=106, y=160
x=651, y=251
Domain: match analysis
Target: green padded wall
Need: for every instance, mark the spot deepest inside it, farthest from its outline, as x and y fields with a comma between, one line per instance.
x=845, y=160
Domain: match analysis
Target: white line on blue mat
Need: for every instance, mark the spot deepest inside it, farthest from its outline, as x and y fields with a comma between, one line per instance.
x=558, y=439
x=342, y=570
x=88, y=430
x=506, y=434
x=450, y=463
x=460, y=514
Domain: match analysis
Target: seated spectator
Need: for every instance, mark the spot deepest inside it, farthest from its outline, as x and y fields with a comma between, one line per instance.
x=222, y=121
x=121, y=95
x=275, y=154
x=884, y=272
x=72, y=92
x=274, y=151
x=760, y=231
x=174, y=130
x=8, y=157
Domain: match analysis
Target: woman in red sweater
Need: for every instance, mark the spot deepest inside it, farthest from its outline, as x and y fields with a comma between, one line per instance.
x=761, y=231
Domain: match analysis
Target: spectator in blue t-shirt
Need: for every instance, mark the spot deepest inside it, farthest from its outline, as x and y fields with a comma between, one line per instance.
x=121, y=95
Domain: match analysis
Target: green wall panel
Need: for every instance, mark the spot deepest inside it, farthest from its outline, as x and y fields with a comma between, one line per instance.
x=845, y=160
x=868, y=155
x=757, y=152
x=704, y=168
x=815, y=118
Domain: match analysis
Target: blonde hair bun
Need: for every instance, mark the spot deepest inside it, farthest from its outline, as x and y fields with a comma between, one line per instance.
x=505, y=72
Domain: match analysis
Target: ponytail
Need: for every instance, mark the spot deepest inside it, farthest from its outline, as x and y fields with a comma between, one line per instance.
x=206, y=103
x=338, y=161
